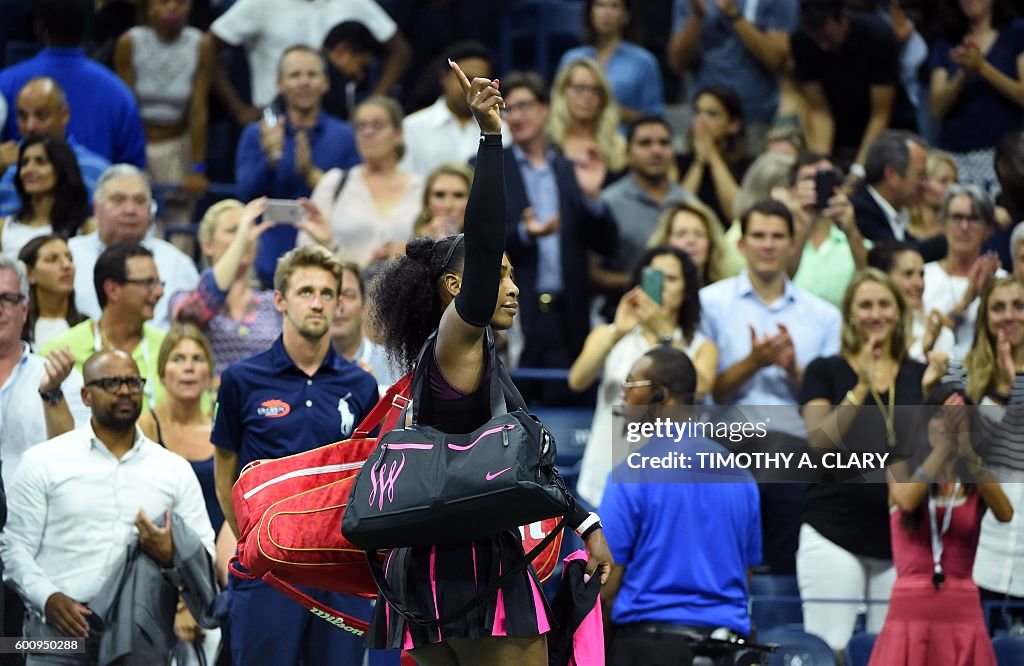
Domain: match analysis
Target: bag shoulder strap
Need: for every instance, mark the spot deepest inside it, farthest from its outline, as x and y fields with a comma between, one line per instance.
x=390, y=406
x=341, y=185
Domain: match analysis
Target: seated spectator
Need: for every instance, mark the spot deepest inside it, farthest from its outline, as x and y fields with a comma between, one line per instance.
x=905, y=267
x=584, y=120
x=284, y=157
x=122, y=209
x=172, y=100
x=444, y=201
x=895, y=171
x=717, y=157
x=237, y=320
x=70, y=526
x=977, y=92
x=940, y=173
x=641, y=324
x=182, y=426
x=43, y=109
x=347, y=335
x=847, y=66
x=844, y=548
x=53, y=197
x=684, y=544
x=128, y=286
x=445, y=130
x=107, y=121
x=370, y=208
x=1010, y=172
x=742, y=45
x=992, y=375
x=350, y=49
x=51, y=291
x=952, y=284
x=694, y=228
x=610, y=38
x=832, y=249
x=266, y=29
x=931, y=616
x=637, y=200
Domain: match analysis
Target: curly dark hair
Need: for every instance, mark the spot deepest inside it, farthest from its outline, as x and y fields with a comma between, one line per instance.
x=405, y=304
x=689, y=312
x=70, y=198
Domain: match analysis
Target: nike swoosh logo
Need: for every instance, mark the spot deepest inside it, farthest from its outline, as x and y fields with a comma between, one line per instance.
x=490, y=476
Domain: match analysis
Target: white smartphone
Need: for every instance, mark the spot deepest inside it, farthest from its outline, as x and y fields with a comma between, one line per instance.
x=284, y=210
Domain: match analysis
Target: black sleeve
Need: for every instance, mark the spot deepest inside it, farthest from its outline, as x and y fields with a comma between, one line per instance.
x=485, y=235
x=818, y=382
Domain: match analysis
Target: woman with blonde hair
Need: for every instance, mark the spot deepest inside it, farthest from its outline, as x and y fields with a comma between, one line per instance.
x=940, y=173
x=584, y=120
x=369, y=209
x=238, y=321
x=695, y=229
x=444, y=201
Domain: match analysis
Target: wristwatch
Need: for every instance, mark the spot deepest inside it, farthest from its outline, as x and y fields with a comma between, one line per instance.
x=53, y=397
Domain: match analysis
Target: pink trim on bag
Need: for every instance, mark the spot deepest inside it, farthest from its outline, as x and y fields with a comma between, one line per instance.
x=476, y=580
x=485, y=433
x=498, y=628
x=410, y=445
x=433, y=586
x=385, y=485
x=543, y=626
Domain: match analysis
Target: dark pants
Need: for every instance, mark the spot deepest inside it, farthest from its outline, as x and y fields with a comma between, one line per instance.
x=547, y=345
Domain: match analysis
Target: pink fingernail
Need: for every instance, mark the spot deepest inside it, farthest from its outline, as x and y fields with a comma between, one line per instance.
x=451, y=64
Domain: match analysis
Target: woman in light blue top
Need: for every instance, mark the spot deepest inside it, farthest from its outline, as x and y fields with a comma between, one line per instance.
x=609, y=36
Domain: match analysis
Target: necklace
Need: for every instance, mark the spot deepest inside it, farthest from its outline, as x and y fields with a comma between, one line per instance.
x=888, y=413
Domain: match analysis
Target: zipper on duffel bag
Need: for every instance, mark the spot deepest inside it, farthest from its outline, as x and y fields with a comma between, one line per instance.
x=295, y=474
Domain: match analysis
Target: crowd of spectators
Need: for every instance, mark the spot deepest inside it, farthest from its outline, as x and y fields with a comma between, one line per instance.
x=830, y=192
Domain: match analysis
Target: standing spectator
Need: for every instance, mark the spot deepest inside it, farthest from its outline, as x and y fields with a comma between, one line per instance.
x=847, y=65
x=953, y=283
x=641, y=324
x=128, y=286
x=107, y=120
x=445, y=130
x=1017, y=247
x=940, y=173
x=267, y=28
x=43, y=109
x=584, y=120
x=284, y=158
x=638, y=199
x=895, y=172
x=977, y=83
x=767, y=330
x=1009, y=166
x=51, y=295
x=844, y=548
x=925, y=331
x=830, y=247
x=122, y=209
x=610, y=33
x=52, y=195
x=347, y=335
x=350, y=49
x=238, y=320
x=297, y=395
x=718, y=158
x=167, y=64
x=370, y=208
x=79, y=500
x=652, y=517
x=694, y=228
x=444, y=201
x=554, y=216
x=743, y=44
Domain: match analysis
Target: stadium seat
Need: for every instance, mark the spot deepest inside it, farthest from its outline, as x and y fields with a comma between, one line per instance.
x=858, y=650
x=1009, y=650
x=775, y=602
x=797, y=648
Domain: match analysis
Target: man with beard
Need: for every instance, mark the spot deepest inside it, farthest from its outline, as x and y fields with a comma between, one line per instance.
x=79, y=500
x=296, y=396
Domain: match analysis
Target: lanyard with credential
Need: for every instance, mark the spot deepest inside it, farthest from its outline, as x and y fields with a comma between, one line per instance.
x=148, y=388
x=938, y=575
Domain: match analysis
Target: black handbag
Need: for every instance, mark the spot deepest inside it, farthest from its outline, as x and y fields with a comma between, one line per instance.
x=423, y=487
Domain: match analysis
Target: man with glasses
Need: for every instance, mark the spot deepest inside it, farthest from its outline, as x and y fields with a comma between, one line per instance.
x=683, y=539
x=80, y=499
x=129, y=287
x=284, y=155
x=122, y=205
x=296, y=396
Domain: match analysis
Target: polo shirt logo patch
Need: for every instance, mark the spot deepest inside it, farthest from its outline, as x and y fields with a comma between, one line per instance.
x=274, y=408
x=348, y=419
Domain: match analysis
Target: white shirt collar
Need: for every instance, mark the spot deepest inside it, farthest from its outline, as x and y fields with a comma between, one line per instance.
x=897, y=221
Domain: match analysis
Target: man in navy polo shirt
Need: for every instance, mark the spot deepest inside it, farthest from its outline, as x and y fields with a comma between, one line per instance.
x=296, y=396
